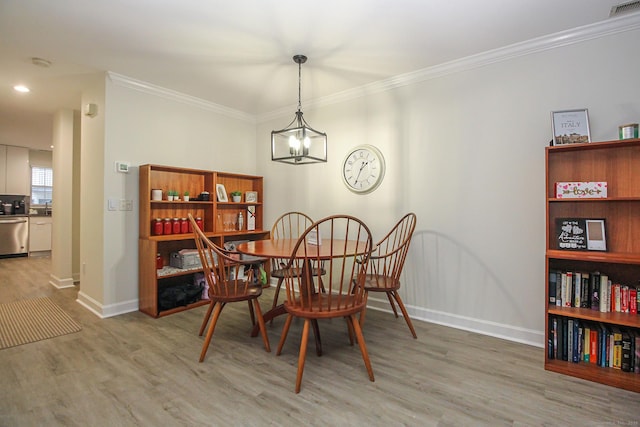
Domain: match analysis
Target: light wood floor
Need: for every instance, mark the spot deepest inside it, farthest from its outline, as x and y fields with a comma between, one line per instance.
x=133, y=370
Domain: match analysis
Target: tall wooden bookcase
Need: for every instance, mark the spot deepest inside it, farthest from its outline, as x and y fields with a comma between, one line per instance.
x=618, y=164
x=212, y=212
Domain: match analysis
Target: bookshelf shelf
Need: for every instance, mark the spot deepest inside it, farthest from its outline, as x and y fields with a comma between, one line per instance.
x=618, y=164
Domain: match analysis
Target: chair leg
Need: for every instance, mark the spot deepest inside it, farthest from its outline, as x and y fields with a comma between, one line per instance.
x=212, y=326
x=275, y=297
x=285, y=331
x=253, y=316
x=207, y=316
x=393, y=306
x=363, y=347
x=364, y=311
x=404, y=313
x=349, y=330
x=303, y=354
x=316, y=334
x=263, y=328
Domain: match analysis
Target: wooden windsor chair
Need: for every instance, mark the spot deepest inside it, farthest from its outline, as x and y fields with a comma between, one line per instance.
x=345, y=243
x=386, y=263
x=289, y=225
x=225, y=274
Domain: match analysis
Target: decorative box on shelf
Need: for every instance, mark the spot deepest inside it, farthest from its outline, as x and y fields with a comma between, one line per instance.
x=185, y=258
x=581, y=190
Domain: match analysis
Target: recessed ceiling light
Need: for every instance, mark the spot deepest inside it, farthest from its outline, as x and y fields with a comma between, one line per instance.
x=21, y=88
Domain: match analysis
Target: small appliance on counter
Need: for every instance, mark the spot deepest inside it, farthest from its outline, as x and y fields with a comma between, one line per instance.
x=19, y=207
x=7, y=208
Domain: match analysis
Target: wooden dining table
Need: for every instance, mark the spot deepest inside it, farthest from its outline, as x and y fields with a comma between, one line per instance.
x=283, y=248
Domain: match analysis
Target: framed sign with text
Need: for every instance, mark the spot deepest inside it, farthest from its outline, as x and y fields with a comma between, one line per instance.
x=570, y=127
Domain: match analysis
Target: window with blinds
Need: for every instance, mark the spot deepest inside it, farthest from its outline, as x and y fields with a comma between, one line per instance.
x=41, y=185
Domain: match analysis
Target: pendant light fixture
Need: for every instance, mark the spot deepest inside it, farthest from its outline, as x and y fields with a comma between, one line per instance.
x=298, y=143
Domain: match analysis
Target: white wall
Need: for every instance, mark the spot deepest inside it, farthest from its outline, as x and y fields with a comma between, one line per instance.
x=147, y=125
x=464, y=146
x=465, y=152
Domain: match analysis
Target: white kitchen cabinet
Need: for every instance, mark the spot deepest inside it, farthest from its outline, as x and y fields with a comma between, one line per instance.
x=15, y=174
x=40, y=233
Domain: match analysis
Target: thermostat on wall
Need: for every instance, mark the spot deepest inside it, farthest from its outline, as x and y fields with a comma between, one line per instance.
x=122, y=167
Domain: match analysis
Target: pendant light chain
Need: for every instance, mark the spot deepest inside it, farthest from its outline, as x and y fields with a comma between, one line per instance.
x=299, y=85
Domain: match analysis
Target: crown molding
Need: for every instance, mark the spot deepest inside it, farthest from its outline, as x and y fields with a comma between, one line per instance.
x=612, y=26
x=152, y=89
x=606, y=28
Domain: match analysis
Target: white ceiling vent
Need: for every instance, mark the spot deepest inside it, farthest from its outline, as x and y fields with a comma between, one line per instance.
x=630, y=6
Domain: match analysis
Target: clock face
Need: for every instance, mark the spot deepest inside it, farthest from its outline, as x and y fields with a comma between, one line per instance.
x=363, y=169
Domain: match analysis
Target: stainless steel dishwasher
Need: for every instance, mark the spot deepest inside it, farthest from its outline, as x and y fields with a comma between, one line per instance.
x=14, y=234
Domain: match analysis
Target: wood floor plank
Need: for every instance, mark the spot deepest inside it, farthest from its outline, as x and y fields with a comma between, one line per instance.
x=135, y=370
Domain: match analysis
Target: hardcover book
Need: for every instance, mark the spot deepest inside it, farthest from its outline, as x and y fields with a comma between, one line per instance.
x=594, y=287
x=604, y=279
x=625, y=364
x=585, y=301
x=553, y=282
x=617, y=349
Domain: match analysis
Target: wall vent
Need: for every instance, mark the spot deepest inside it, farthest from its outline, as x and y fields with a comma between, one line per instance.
x=630, y=6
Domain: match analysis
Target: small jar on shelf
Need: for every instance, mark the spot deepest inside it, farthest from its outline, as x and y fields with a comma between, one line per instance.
x=184, y=225
x=158, y=228
x=167, y=228
x=175, y=229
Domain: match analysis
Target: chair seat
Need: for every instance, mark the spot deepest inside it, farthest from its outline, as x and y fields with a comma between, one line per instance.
x=380, y=283
x=338, y=307
x=231, y=293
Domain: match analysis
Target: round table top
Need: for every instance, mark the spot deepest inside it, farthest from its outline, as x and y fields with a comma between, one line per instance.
x=282, y=248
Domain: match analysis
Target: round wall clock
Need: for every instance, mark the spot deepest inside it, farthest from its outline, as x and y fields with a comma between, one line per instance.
x=363, y=169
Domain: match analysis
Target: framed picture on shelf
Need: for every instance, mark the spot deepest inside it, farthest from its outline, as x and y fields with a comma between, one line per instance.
x=251, y=196
x=570, y=127
x=221, y=193
x=596, y=240
x=579, y=234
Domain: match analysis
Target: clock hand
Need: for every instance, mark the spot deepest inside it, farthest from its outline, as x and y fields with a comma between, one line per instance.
x=359, y=172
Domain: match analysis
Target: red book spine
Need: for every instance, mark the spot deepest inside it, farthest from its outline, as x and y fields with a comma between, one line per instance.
x=593, y=347
x=624, y=299
x=633, y=305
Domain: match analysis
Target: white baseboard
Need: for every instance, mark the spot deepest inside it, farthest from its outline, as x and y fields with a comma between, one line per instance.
x=105, y=311
x=484, y=327
x=59, y=283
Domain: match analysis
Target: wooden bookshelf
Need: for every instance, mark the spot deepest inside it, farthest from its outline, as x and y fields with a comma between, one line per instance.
x=618, y=164
x=151, y=280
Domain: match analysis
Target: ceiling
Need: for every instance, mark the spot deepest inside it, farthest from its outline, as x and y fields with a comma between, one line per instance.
x=238, y=53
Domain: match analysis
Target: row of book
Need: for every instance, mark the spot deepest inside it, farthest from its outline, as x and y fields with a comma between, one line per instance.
x=592, y=290
x=600, y=344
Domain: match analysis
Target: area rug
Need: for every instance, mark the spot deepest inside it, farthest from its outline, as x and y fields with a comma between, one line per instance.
x=32, y=320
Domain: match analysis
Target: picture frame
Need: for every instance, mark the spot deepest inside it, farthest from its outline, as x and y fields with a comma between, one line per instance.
x=596, y=237
x=571, y=234
x=251, y=196
x=221, y=193
x=570, y=127
x=580, y=234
